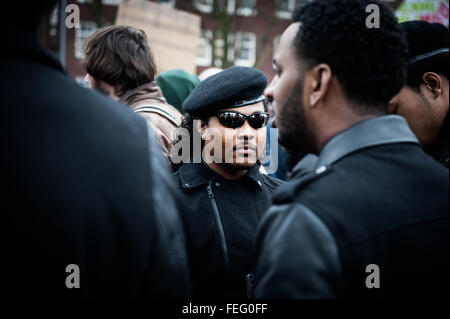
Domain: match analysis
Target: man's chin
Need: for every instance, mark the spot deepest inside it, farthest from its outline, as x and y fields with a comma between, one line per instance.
x=292, y=146
x=240, y=166
x=288, y=142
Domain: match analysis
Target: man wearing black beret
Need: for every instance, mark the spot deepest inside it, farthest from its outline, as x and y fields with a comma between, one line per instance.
x=224, y=191
x=424, y=100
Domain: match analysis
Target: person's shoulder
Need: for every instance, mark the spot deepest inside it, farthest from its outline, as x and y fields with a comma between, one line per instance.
x=97, y=107
x=105, y=106
x=155, y=110
x=312, y=181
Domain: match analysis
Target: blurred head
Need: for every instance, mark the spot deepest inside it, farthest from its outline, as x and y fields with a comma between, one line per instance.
x=322, y=86
x=424, y=100
x=118, y=59
x=176, y=85
x=27, y=15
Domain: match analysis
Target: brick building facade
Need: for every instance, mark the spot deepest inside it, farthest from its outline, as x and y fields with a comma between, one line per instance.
x=252, y=29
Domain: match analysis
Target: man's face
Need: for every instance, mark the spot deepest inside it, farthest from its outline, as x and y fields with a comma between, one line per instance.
x=240, y=147
x=286, y=93
x=417, y=109
x=268, y=92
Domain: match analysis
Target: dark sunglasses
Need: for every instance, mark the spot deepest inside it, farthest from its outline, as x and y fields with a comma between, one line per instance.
x=232, y=119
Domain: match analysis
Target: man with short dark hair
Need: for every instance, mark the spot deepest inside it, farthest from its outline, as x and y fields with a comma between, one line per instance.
x=371, y=219
x=87, y=203
x=424, y=100
x=224, y=192
x=120, y=64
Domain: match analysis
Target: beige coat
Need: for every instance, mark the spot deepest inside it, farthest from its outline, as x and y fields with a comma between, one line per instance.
x=147, y=101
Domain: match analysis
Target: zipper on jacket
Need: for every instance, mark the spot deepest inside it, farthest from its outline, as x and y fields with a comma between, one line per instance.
x=223, y=242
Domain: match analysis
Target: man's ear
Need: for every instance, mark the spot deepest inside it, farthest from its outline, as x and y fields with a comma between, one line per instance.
x=433, y=84
x=321, y=78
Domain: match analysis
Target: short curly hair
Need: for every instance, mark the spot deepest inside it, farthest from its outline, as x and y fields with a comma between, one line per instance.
x=370, y=63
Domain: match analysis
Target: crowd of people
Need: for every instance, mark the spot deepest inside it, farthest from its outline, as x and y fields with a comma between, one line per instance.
x=157, y=184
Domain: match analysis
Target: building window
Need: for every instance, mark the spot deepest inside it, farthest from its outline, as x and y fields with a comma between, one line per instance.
x=111, y=2
x=240, y=7
x=169, y=3
x=81, y=34
x=53, y=31
x=205, y=6
x=285, y=8
x=245, y=48
x=246, y=7
x=219, y=47
x=204, y=52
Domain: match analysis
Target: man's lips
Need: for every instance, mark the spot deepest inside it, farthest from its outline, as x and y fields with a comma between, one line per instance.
x=245, y=147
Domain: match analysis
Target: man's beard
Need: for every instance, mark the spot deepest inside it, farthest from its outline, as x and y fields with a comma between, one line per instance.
x=294, y=132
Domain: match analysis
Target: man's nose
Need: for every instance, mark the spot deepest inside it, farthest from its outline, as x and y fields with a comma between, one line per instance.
x=268, y=92
x=246, y=131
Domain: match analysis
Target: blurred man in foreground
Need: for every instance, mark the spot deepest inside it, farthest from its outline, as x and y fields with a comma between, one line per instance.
x=87, y=207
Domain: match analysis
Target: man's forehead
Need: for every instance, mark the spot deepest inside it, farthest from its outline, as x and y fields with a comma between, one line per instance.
x=290, y=32
x=286, y=40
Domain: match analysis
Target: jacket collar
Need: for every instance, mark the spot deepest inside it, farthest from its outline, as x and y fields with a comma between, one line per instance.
x=380, y=130
x=199, y=174
x=143, y=93
x=305, y=165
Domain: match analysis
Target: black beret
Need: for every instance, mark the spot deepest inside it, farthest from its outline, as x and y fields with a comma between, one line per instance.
x=425, y=39
x=233, y=87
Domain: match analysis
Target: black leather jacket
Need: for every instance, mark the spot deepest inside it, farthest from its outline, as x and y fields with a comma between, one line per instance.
x=374, y=198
